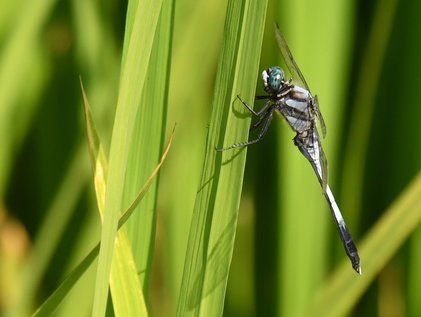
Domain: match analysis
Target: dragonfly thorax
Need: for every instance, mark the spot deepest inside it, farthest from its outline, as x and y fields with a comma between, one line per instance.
x=273, y=80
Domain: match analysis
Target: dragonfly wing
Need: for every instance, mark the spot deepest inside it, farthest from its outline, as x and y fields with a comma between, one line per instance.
x=296, y=73
x=289, y=60
x=323, y=162
x=319, y=115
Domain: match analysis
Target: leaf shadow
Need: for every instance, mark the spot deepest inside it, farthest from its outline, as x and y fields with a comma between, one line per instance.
x=216, y=266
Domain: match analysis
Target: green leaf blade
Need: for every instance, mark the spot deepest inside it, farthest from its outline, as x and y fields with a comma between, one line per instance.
x=147, y=144
x=55, y=299
x=128, y=299
x=213, y=226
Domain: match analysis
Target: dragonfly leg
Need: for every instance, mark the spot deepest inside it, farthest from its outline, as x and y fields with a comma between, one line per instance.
x=260, y=112
x=262, y=133
x=258, y=123
x=261, y=119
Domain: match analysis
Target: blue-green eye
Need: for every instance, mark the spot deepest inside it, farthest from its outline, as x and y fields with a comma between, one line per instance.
x=273, y=79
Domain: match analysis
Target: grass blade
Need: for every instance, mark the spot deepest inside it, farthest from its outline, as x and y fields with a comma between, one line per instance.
x=212, y=230
x=54, y=300
x=399, y=221
x=148, y=183
x=99, y=162
x=132, y=77
x=148, y=137
x=176, y=202
x=126, y=291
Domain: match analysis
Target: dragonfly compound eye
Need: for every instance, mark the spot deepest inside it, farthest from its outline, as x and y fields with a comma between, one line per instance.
x=273, y=79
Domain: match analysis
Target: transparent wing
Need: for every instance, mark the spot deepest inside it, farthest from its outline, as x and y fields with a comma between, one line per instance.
x=289, y=60
x=319, y=116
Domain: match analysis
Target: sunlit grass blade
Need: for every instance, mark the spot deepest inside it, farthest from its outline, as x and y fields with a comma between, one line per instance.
x=126, y=291
x=99, y=162
x=55, y=299
x=344, y=289
x=132, y=80
x=146, y=147
x=148, y=183
x=213, y=226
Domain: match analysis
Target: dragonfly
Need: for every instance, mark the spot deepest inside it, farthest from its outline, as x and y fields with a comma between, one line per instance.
x=293, y=100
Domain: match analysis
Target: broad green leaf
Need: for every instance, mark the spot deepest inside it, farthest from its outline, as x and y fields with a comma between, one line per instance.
x=126, y=291
x=213, y=226
x=54, y=300
x=344, y=289
x=132, y=79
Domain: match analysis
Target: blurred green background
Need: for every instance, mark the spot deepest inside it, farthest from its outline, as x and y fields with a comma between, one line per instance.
x=360, y=57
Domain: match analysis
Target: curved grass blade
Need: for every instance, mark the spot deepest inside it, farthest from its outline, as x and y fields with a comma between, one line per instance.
x=99, y=162
x=54, y=300
x=126, y=291
x=148, y=182
x=342, y=292
x=212, y=230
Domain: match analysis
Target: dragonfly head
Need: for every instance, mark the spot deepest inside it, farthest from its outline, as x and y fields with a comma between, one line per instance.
x=273, y=79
